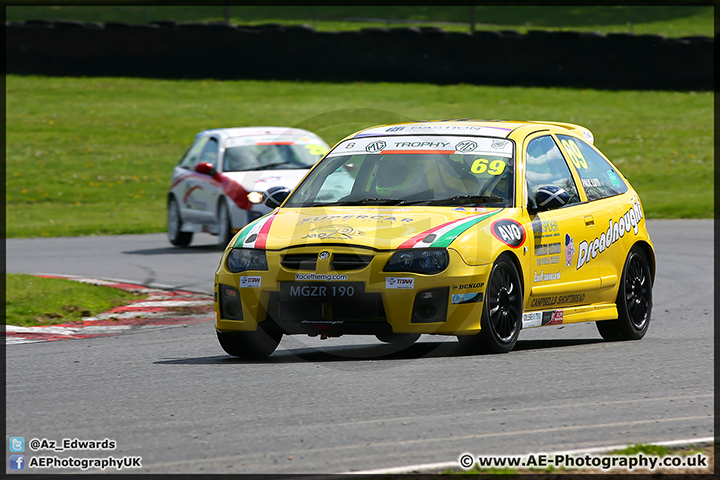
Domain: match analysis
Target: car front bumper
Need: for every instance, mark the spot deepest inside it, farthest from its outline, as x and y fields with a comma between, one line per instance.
x=360, y=300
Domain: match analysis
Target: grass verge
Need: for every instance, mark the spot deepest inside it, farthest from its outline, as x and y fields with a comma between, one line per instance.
x=94, y=155
x=32, y=301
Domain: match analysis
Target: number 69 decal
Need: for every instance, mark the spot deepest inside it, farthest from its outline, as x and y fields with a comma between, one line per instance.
x=576, y=156
x=483, y=165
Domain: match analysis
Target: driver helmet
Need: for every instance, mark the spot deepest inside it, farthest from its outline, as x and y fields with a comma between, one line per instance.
x=398, y=177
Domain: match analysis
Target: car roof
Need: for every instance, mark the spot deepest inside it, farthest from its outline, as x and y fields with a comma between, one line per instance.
x=253, y=131
x=488, y=128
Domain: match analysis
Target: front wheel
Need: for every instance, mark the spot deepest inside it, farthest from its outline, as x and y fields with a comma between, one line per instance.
x=502, y=311
x=174, y=226
x=634, y=301
x=255, y=345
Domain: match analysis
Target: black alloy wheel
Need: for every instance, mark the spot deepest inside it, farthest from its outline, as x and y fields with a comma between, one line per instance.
x=634, y=301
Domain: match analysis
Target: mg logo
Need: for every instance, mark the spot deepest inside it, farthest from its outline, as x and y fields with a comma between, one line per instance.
x=324, y=255
x=376, y=147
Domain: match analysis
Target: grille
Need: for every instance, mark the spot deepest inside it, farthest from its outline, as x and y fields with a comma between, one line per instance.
x=349, y=261
x=299, y=261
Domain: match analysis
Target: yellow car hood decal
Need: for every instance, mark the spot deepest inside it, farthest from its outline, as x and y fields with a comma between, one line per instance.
x=383, y=228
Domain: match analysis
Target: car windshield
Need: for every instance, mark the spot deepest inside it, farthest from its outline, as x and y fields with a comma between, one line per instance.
x=247, y=154
x=411, y=171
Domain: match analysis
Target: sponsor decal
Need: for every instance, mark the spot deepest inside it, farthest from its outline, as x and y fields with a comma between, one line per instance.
x=499, y=144
x=376, y=147
x=334, y=232
x=399, y=283
x=459, y=298
x=548, y=260
x=546, y=277
x=556, y=318
x=250, y=282
x=467, y=286
x=569, y=250
x=421, y=144
x=557, y=300
x=349, y=145
x=325, y=277
x=443, y=235
x=395, y=129
x=613, y=178
x=509, y=232
x=533, y=319
x=538, y=319
x=629, y=221
x=364, y=218
x=547, y=249
x=545, y=228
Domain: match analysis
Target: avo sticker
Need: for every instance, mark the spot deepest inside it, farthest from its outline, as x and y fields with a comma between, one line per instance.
x=509, y=232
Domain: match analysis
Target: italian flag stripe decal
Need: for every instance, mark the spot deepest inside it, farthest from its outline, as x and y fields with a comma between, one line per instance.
x=255, y=235
x=443, y=235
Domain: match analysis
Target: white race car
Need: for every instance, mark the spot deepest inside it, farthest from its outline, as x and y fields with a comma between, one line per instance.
x=218, y=185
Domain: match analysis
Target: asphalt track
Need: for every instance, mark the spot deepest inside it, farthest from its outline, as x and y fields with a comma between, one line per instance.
x=172, y=397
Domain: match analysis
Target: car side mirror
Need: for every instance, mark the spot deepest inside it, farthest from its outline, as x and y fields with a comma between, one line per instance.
x=273, y=197
x=205, y=168
x=550, y=197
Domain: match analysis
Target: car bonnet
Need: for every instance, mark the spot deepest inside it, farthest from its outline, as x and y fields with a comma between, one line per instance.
x=381, y=228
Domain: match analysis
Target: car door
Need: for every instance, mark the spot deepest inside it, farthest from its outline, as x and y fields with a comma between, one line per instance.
x=555, y=279
x=208, y=189
x=185, y=183
x=609, y=208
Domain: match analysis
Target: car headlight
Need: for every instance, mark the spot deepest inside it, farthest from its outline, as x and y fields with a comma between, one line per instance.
x=242, y=259
x=418, y=261
x=255, y=197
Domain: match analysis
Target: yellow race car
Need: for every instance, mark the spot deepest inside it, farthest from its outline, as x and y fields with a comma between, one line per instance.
x=470, y=228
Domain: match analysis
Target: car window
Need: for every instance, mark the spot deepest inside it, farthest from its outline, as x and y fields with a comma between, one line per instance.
x=210, y=152
x=412, y=170
x=546, y=166
x=598, y=177
x=271, y=153
x=191, y=156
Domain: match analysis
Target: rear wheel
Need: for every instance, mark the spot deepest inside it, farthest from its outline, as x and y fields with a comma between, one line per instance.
x=634, y=301
x=174, y=226
x=225, y=225
x=250, y=345
x=502, y=311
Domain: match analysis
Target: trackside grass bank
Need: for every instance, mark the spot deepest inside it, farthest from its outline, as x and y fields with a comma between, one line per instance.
x=94, y=155
x=33, y=301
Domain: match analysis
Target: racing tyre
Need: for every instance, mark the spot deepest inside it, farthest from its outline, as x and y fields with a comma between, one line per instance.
x=634, y=301
x=250, y=345
x=225, y=225
x=174, y=226
x=502, y=311
x=398, y=339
